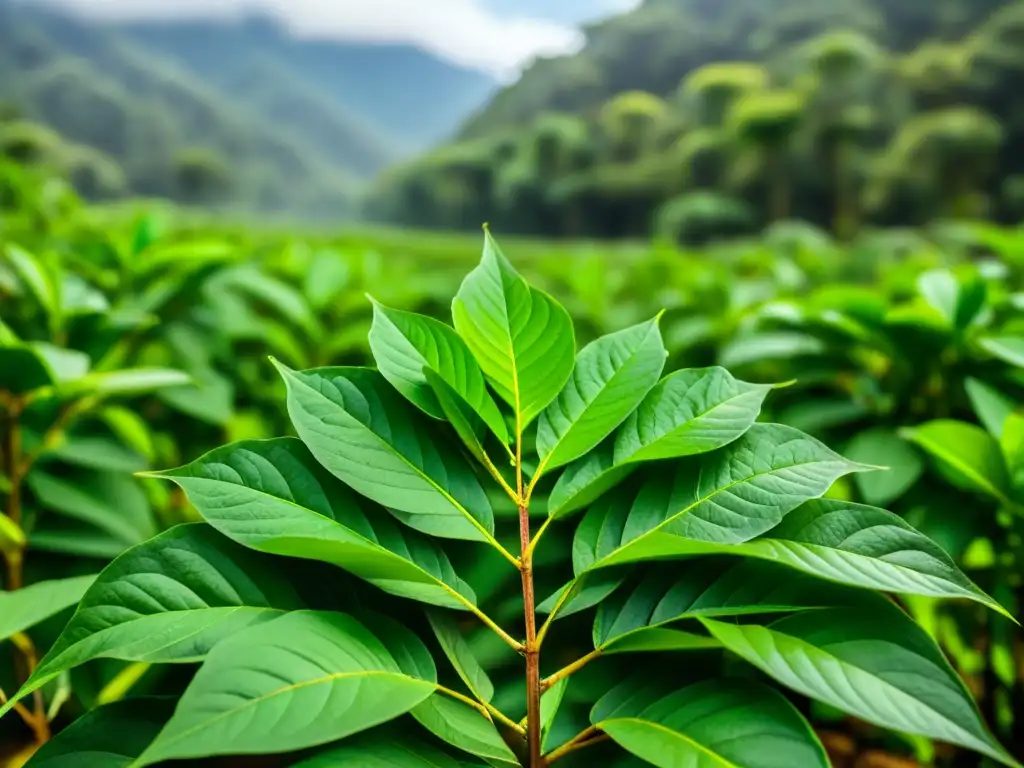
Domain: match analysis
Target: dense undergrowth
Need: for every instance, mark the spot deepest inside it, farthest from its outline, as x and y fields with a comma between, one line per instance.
x=131, y=343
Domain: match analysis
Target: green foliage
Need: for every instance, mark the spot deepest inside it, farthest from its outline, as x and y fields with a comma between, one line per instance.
x=366, y=593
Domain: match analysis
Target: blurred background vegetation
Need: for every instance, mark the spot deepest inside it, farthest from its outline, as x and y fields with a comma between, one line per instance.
x=685, y=118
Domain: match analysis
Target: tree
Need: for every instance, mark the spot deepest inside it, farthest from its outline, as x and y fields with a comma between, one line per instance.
x=630, y=123
x=945, y=157
x=767, y=121
x=201, y=175
x=843, y=64
x=714, y=89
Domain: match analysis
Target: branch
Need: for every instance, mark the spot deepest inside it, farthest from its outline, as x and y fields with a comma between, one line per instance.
x=583, y=739
x=566, y=671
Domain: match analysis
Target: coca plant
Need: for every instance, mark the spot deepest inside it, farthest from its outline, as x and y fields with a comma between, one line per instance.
x=702, y=539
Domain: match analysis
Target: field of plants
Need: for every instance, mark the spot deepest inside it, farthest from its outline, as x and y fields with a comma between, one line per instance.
x=757, y=505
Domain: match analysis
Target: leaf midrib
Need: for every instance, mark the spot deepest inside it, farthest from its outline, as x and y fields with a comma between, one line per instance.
x=703, y=500
x=387, y=447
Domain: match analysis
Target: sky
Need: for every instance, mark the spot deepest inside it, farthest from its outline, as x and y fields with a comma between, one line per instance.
x=498, y=36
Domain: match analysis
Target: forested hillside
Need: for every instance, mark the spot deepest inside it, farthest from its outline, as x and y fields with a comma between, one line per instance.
x=237, y=114
x=698, y=117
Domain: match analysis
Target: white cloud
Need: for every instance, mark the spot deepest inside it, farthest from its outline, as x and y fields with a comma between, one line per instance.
x=462, y=31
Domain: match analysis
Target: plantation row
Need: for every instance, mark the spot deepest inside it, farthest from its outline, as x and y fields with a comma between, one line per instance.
x=698, y=436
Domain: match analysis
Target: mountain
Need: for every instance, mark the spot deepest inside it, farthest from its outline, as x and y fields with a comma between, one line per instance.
x=407, y=93
x=653, y=47
x=281, y=123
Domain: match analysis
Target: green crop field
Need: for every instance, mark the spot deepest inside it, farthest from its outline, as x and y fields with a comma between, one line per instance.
x=138, y=339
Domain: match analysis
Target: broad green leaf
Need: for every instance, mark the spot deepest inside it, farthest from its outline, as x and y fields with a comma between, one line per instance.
x=23, y=369
x=464, y=727
x=1009, y=349
x=776, y=345
x=111, y=736
x=381, y=748
x=304, y=679
x=126, y=383
x=26, y=607
x=464, y=420
x=455, y=647
x=969, y=454
x=550, y=701
x=405, y=344
x=272, y=496
x=210, y=399
x=326, y=277
x=587, y=479
x=711, y=724
x=585, y=592
x=958, y=302
x=990, y=405
x=1012, y=446
x=610, y=378
x=883, y=447
x=690, y=411
x=112, y=502
x=521, y=337
x=169, y=600
x=874, y=663
x=717, y=586
x=361, y=430
x=35, y=277
x=96, y=453
x=726, y=497
x=864, y=547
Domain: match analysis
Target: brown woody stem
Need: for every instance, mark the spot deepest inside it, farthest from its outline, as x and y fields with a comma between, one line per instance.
x=532, y=651
x=14, y=560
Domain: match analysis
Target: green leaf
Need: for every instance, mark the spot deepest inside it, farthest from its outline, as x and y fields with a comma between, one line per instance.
x=1012, y=446
x=23, y=369
x=272, y=496
x=96, y=453
x=1009, y=349
x=990, y=405
x=466, y=728
x=35, y=277
x=872, y=662
x=777, y=345
x=461, y=656
x=112, y=502
x=884, y=447
x=958, y=303
x=586, y=480
x=405, y=344
x=864, y=547
x=358, y=427
x=970, y=455
x=126, y=383
x=381, y=748
x=690, y=411
x=716, y=586
x=304, y=679
x=725, y=497
x=111, y=736
x=585, y=592
x=210, y=399
x=611, y=376
x=169, y=600
x=550, y=701
x=522, y=338
x=464, y=420
x=26, y=607
x=714, y=723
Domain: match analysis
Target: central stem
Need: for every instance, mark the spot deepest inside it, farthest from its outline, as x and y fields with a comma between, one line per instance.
x=532, y=651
